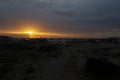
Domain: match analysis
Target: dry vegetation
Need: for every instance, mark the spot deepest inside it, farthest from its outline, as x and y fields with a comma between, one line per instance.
x=73, y=60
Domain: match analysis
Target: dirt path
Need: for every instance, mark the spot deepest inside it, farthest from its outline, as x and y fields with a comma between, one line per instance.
x=65, y=67
x=56, y=66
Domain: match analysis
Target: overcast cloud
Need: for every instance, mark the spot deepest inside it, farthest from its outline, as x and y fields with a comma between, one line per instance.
x=68, y=16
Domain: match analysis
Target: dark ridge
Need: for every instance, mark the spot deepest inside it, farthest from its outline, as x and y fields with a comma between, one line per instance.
x=5, y=37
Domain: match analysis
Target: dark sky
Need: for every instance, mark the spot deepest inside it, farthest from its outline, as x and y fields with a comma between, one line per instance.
x=91, y=18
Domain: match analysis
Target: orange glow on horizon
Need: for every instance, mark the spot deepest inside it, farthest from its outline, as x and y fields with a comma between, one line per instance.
x=33, y=34
x=32, y=29
x=30, y=33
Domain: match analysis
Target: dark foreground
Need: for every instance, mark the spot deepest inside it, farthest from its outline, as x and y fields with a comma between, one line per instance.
x=39, y=59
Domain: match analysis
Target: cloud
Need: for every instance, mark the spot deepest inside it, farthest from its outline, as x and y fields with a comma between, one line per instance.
x=78, y=16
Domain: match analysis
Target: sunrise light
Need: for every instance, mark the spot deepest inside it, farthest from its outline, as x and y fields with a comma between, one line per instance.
x=30, y=33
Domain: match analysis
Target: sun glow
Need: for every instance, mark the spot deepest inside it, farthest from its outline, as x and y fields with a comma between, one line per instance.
x=30, y=33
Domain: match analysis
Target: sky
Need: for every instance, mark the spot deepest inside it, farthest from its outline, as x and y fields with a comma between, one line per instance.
x=73, y=18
